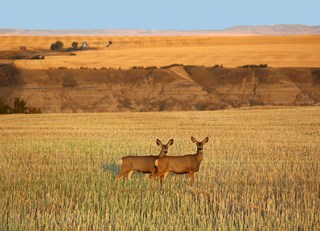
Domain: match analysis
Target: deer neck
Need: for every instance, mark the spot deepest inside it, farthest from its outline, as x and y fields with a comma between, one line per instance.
x=199, y=155
x=161, y=154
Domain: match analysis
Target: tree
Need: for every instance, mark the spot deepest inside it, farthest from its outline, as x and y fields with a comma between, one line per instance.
x=75, y=45
x=57, y=46
x=4, y=108
x=19, y=106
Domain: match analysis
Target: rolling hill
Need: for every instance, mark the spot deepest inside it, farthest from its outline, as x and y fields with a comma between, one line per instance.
x=103, y=78
x=129, y=51
x=279, y=29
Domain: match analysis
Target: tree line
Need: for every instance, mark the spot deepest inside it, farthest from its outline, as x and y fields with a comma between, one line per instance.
x=19, y=107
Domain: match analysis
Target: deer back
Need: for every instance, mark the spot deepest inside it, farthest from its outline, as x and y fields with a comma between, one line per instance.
x=139, y=163
x=179, y=164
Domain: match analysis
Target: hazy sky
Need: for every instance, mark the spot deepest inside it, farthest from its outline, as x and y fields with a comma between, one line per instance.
x=161, y=14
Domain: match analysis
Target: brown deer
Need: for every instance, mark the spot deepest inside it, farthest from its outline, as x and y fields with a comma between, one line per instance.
x=144, y=164
x=181, y=164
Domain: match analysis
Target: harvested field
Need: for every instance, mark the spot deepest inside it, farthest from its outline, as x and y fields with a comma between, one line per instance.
x=260, y=171
x=129, y=51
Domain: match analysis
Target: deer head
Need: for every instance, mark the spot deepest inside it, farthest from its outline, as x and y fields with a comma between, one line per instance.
x=199, y=144
x=164, y=147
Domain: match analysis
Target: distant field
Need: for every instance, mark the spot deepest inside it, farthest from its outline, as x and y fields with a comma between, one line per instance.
x=260, y=171
x=128, y=51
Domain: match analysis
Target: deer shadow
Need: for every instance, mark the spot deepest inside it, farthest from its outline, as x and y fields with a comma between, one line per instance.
x=113, y=168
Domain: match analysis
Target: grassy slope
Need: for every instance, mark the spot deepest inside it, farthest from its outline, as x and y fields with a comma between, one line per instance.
x=261, y=171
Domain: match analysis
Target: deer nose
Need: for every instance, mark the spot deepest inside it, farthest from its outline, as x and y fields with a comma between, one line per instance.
x=165, y=151
x=199, y=148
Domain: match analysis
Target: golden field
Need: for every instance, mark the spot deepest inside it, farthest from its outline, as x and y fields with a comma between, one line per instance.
x=129, y=51
x=260, y=171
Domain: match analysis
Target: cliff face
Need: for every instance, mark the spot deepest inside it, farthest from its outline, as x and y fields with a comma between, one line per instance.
x=175, y=88
x=260, y=86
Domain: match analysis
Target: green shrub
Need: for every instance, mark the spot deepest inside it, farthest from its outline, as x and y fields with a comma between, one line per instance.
x=19, y=106
x=254, y=66
x=57, y=46
x=254, y=102
x=4, y=108
x=151, y=68
x=201, y=106
x=37, y=57
x=172, y=65
x=162, y=106
x=136, y=67
x=75, y=45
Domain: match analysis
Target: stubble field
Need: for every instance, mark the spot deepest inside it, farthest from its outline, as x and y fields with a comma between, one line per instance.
x=260, y=171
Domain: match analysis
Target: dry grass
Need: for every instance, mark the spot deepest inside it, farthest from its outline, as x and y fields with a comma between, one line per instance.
x=260, y=172
x=128, y=51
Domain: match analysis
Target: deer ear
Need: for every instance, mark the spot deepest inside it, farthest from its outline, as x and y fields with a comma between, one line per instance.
x=193, y=139
x=205, y=140
x=158, y=142
x=170, y=142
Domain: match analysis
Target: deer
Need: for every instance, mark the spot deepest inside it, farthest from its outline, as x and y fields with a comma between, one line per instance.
x=186, y=164
x=144, y=164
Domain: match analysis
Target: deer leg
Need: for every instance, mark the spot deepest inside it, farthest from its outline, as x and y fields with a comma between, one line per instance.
x=124, y=174
x=147, y=176
x=191, y=175
x=129, y=174
x=153, y=177
x=121, y=174
x=161, y=178
x=155, y=174
x=165, y=175
x=160, y=175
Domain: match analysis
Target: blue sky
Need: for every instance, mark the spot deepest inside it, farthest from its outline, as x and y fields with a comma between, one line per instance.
x=158, y=15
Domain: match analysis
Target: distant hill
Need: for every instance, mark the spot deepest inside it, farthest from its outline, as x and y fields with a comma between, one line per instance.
x=280, y=29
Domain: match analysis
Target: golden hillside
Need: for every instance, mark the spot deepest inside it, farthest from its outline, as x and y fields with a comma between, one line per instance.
x=128, y=51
